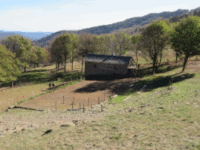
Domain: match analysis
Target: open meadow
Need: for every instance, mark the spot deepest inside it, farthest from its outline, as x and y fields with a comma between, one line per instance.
x=164, y=116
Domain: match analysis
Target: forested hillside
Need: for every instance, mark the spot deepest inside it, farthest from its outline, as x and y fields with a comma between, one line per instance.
x=133, y=24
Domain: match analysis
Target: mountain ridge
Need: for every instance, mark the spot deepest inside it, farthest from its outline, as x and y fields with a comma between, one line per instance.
x=30, y=35
x=131, y=25
x=110, y=28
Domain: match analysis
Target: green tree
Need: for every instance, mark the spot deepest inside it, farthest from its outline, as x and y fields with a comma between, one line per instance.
x=37, y=55
x=9, y=66
x=110, y=45
x=20, y=46
x=56, y=53
x=63, y=47
x=185, y=37
x=154, y=39
x=87, y=44
x=74, y=49
x=135, y=39
x=122, y=41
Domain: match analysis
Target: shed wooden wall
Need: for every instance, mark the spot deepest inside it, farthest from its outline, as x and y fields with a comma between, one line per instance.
x=104, y=69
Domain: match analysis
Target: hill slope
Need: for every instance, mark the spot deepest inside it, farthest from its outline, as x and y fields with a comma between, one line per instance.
x=128, y=23
x=161, y=117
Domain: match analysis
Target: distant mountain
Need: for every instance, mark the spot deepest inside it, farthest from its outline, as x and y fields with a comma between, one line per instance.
x=192, y=12
x=30, y=35
x=130, y=26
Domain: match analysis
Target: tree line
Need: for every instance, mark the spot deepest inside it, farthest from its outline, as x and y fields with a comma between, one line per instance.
x=183, y=37
x=16, y=54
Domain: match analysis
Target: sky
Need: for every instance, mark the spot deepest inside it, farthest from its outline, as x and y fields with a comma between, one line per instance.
x=56, y=15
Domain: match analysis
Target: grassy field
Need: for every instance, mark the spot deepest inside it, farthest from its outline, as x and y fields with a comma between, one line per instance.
x=35, y=82
x=164, y=116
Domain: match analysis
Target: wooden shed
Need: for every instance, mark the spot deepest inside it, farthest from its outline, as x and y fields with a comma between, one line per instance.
x=96, y=64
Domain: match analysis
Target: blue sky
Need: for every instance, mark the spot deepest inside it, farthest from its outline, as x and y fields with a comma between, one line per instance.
x=55, y=15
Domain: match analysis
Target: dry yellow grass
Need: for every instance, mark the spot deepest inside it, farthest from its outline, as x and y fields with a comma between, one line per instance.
x=8, y=96
x=150, y=120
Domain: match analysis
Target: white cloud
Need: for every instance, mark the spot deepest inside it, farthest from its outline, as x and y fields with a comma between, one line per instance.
x=76, y=16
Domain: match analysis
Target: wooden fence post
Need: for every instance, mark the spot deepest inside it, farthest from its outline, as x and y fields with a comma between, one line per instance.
x=98, y=100
x=83, y=107
x=73, y=104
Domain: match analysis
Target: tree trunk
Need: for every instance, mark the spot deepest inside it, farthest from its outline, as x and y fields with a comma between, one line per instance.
x=65, y=63
x=82, y=65
x=185, y=62
x=24, y=69
x=58, y=66
x=37, y=65
x=177, y=55
x=154, y=63
x=72, y=64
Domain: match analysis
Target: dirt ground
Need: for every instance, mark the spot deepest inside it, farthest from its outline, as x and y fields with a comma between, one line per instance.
x=87, y=92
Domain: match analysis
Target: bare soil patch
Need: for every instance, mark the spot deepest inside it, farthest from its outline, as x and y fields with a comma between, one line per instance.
x=87, y=92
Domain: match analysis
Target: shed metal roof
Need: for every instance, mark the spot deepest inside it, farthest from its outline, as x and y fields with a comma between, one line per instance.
x=108, y=59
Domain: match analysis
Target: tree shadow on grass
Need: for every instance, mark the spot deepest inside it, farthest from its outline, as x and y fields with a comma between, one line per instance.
x=42, y=76
x=123, y=88
x=162, y=69
x=157, y=83
x=166, y=68
x=39, y=70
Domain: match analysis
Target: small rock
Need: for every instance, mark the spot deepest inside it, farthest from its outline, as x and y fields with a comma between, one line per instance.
x=34, y=125
x=55, y=122
x=69, y=124
x=47, y=132
x=142, y=106
x=75, y=122
x=18, y=128
x=114, y=128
